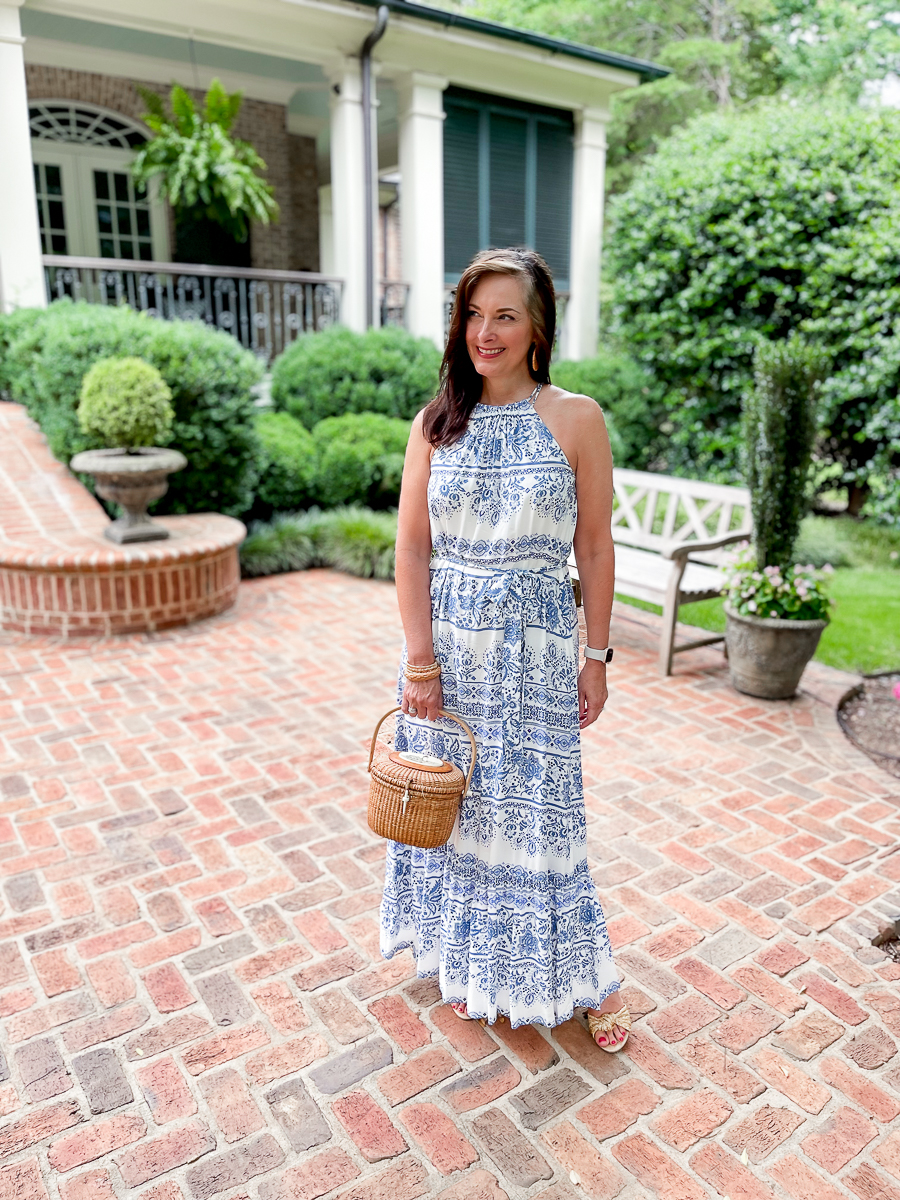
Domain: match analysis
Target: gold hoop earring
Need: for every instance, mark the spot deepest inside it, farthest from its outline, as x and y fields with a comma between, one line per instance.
x=534, y=360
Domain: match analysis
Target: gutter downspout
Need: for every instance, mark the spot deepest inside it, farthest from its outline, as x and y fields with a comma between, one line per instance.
x=365, y=57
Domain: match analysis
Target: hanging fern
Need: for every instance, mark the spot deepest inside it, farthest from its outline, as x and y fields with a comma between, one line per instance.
x=200, y=167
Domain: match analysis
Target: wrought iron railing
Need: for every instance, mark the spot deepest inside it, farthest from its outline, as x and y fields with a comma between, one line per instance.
x=264, y=310
x=392, y=298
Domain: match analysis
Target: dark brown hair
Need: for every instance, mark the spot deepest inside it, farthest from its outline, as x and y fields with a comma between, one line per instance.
x=447, y=416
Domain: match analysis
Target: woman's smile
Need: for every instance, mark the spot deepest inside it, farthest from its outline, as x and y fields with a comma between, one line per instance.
x=489, y=352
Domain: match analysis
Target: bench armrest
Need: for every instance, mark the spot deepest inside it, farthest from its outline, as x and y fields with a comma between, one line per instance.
x=686, y=549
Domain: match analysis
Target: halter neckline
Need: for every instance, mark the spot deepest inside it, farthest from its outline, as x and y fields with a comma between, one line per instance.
x=513, y=403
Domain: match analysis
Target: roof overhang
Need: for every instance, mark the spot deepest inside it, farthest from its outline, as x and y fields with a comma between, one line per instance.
x=263, y=40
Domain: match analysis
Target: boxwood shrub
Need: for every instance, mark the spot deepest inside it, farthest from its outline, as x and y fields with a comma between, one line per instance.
x=359, y=459
x=287, y=464
x=209, y=373
x=329, y=374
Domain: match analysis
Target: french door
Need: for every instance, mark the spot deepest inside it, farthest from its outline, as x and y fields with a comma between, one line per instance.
x=88, y=204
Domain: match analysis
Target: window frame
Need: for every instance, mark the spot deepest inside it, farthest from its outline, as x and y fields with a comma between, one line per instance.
x=77, y=162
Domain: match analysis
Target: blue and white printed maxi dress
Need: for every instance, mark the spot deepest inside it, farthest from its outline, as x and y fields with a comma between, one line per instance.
x=506, y=914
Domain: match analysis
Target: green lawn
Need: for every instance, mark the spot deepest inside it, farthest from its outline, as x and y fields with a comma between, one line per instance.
x=864, y=634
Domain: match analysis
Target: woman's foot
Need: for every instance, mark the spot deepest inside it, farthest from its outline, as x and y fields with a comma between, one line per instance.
x=610, y=1023
x=463, y=1013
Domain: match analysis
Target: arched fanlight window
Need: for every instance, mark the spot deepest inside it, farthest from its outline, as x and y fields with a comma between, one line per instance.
x=72, y=121
x=88, y=204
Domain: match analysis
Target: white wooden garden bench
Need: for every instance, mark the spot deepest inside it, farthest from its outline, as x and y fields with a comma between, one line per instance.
x=670, y=536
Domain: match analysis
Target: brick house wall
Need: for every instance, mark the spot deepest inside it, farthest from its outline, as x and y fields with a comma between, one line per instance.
x=290, y=245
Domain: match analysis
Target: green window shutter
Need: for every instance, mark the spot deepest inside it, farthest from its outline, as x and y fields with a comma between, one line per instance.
x=509, y=138
x=553, y=198
x=461, y=187
x=507, y=179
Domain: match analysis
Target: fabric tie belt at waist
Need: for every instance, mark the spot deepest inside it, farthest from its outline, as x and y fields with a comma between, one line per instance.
x=503, y=579
x=512, y=588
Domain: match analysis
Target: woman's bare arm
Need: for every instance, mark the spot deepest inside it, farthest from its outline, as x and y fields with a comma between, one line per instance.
x=578, y=426
x=412, y=572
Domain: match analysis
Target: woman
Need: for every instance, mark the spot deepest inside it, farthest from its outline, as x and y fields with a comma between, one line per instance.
x=498, y=466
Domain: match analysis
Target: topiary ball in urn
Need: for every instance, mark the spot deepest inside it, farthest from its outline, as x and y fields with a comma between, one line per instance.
x=126, y=406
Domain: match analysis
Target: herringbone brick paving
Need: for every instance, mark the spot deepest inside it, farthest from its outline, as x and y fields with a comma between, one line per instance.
x=192, y=999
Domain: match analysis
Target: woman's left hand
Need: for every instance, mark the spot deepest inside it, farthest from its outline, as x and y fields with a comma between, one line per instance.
x=592, y=692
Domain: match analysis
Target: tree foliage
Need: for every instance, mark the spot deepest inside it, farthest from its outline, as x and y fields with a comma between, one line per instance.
x=754, y=225
x=200, y=166
x=722, y=54
x=779, y=431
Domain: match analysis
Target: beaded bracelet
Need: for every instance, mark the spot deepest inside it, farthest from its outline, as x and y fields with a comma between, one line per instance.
x=419, y=674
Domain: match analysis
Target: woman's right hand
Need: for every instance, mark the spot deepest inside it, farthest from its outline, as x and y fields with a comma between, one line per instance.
x=424, y=699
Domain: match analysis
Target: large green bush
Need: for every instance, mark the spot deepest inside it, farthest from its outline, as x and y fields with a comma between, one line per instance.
x=784, y=217
x=335, y=372
x=632, y=403
x=209, y=373
x=287, y=465
x=359, y=459
x=125, y=403
x=13, y=325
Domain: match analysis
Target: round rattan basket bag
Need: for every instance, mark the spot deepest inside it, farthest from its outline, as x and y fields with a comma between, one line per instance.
x=414, y=798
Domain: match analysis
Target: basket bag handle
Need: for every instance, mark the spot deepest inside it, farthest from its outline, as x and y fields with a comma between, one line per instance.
x=391, y=712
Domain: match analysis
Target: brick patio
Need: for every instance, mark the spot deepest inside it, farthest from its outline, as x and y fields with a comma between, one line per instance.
x=193, y=1001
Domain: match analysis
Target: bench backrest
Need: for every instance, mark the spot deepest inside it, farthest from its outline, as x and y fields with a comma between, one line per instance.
x=653, y=512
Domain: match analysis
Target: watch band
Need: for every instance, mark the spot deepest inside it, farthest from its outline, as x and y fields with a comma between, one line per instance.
x=600, y=655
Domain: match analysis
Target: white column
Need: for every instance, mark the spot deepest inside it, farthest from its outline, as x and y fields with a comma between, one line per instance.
x=583, y=310
x=348, y=191
x=21, y=272
x=326, y=231
x=421, y=113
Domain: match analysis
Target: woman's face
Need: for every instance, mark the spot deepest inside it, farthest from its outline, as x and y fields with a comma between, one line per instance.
x=499, y=332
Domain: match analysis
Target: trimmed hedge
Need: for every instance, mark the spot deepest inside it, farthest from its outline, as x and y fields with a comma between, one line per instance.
x=352, y=539
x=209, y=373
x=287, y=463
x=335, y=372
x=13, y=325
x=359, y=459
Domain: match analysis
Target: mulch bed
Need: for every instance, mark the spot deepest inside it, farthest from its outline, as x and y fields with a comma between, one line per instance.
x=869, y=715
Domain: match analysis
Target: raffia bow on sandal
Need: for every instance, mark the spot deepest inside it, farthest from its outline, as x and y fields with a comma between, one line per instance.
x=606, y=1022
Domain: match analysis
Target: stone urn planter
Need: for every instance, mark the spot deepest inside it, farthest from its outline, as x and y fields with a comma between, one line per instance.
x=133, y=480
x=767, y=655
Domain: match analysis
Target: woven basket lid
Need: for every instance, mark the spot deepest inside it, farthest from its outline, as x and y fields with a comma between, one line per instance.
x=401, y=775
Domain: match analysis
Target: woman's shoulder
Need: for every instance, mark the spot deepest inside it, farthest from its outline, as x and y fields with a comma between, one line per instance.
x=572, y=407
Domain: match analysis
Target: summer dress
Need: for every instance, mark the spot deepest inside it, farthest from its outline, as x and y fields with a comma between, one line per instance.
x=506, y=915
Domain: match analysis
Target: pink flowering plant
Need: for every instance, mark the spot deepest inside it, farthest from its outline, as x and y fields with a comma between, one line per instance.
x=790, y=593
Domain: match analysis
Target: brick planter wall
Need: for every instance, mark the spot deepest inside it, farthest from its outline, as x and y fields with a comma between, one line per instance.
x=124, y=589
x=60, y=576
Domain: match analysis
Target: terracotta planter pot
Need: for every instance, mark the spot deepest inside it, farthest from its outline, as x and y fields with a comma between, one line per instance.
x=133, y=481
x=766, y=655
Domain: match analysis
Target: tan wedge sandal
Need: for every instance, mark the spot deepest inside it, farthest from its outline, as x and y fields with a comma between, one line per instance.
x=606, y=1022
